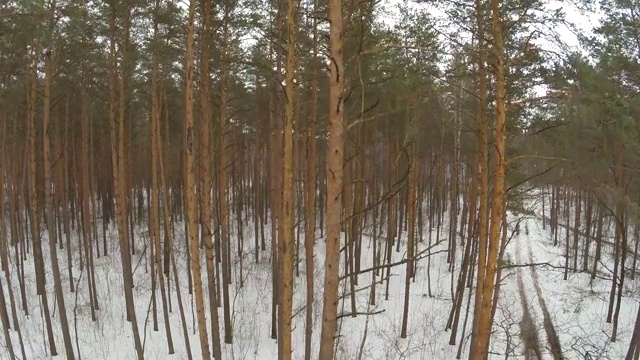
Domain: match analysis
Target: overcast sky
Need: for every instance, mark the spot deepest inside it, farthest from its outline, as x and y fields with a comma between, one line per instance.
x=583, y=23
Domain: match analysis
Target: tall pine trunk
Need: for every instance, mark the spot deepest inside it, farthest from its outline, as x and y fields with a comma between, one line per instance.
x=51, y=220
x=288, y=192
x=189, y=186
x=334, y=175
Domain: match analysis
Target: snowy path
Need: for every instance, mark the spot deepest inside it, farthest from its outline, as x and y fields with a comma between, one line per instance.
x=527, y=326
x=552, y=335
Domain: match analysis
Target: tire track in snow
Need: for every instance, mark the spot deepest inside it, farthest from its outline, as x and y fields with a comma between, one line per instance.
x=552, y=335
x=527, y=326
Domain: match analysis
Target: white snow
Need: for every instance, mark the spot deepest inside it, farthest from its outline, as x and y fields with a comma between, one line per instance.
x=577, y=306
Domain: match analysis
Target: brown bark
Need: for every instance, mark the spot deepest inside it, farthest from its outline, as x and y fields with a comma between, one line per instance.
x=51, y=221
x=576, y=237
x=205, y=173
x=334, y=175
x=33, y=198
x=154, y=210
x=223, y=178
x=117, y=100
x=286, y=247
x=466, y=268
x=484, y=323
x=4, y=240
x=169, y=257
x=86, y=193
x=310, y=192
x=411, y=213
x=483, y=128
x=189, y=186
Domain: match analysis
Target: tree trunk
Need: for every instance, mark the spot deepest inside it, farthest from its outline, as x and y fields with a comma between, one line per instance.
x=189, y=186
x=33, y=200
x=310, y=192
x=484, y=322
x=154, y=198
x=286, y=247
x=224, y=186
x=117, y=101
x=410, y=143
x=334, y=174
x=483, y=129
x=205, y=174
x=51, y=221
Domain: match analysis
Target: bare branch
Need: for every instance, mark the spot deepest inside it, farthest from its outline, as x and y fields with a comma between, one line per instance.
x=421, y=255
x=360, y=313
x=540, y=157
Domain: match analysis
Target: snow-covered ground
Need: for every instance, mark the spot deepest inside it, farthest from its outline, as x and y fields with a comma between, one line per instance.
x=577, y=307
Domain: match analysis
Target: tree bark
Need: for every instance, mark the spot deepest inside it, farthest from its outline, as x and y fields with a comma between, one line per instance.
x=310, y=192
x=334, y=174
x=51, y=221
x=288, y=195
x=488, y=284
x=189, y=187
x=205, y=173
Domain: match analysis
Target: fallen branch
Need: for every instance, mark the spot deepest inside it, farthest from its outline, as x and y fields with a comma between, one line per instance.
x=421, y=255
x=361, y=289
x=360, y=313
x=547, y=264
